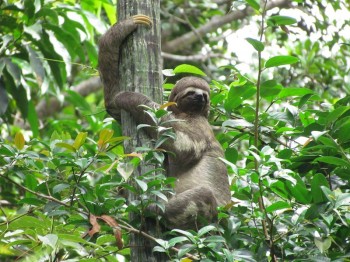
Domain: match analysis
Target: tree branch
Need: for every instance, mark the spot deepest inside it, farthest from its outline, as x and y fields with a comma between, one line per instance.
x=216, y=22
x=51, y=106
x=182, y=58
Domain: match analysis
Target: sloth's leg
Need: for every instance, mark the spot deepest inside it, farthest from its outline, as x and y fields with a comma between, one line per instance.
x=191, y=209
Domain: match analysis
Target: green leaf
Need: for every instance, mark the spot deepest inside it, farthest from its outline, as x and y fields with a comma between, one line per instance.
x=281, y=20
x=215, y=239
x=299, y=192
x=316, y=191
x=189, y=235
x=237, y=123
x=294, y=91
x=270, y=88
x=31, y=201
x=336, y=114
x=37, y=66
x=28, y=222
x=254, y=4
x=29, y=8
x=60, y=187
x=77, y=100
x=281, y=60
x=323, y=244
x=4, y=99
x=258, y=46
x=205, y=230
x=33, y=119
x=110, y=11
x=231, y=154
x=185, y=68
x=333, y=161
x=175, y=240
x=141, y=184
x=239, y=91
x=277, y=206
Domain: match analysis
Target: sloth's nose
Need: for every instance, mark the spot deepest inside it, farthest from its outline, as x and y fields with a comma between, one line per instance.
x=199, y=97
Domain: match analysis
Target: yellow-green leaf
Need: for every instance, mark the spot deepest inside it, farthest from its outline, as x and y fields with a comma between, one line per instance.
x=19, y=141
x=66, y=146
x=79, y=140
x=105, y=135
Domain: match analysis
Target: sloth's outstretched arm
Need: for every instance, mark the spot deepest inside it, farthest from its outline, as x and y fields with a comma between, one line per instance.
x=133, y=102
x=108, y=57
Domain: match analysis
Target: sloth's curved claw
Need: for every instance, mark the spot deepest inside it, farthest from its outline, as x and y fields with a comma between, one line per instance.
x=142, y=19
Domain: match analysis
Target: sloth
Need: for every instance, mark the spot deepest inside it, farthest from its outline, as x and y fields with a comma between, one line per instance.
x=193, y=159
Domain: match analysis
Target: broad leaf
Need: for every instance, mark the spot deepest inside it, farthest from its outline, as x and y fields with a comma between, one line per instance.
x=281, y=20
x=258, y=46
x=185, y=68
x=281, y=60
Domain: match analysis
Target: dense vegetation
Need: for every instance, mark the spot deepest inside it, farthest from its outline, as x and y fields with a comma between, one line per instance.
x=280, y=108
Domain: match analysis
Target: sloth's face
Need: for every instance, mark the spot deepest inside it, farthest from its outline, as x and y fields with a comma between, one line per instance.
x=193, y=100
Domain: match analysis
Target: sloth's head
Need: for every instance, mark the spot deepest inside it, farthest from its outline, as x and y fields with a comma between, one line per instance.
x=191, y=95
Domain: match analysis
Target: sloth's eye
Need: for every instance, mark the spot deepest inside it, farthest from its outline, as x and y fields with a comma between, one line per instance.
x=190, y=93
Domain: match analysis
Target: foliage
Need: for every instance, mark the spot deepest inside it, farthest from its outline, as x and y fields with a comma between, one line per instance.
x=284, y=128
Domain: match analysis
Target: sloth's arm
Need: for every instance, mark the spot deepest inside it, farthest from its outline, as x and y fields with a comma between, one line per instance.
x=108, y=57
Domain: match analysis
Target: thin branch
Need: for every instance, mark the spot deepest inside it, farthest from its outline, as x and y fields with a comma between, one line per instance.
x=35, y=193
x=198, y=57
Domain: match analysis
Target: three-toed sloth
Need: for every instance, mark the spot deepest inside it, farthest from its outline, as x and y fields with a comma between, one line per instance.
x=201, y=177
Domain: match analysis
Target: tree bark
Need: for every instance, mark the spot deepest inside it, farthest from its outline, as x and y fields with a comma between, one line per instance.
x=140, y=71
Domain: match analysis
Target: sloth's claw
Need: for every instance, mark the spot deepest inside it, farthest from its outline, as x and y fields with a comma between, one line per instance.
x=142, y=19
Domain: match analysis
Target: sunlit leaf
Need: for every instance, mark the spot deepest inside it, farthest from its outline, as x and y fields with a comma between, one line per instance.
x=49, y=240
x=258, y=46
x=142, y=184
x=185, y=68
x=281, y=60
x=254, y=4
x=281, y=20
x=125, y=169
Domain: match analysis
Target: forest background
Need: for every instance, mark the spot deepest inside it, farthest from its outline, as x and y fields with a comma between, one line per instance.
x=279, y=73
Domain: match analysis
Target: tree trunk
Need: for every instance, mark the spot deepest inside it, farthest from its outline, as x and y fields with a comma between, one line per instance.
x=140, y=71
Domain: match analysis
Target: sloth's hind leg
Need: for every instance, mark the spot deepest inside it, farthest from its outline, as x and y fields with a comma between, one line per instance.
x=191, y=209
